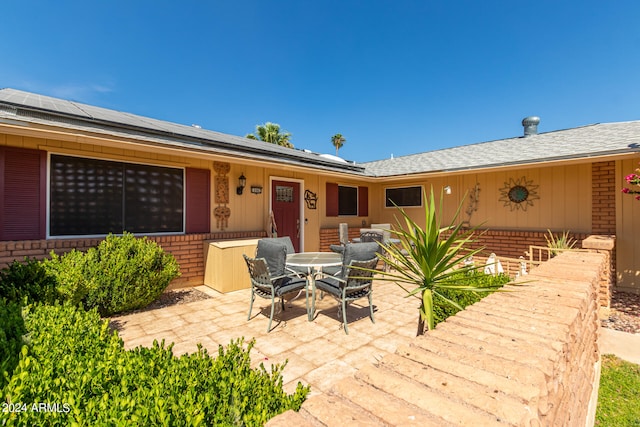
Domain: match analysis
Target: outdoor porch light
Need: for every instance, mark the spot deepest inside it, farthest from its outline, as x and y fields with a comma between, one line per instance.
x=242, y=182
x=447, y=189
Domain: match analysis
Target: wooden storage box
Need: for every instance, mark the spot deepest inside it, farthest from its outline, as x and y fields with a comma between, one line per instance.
x=224, y=266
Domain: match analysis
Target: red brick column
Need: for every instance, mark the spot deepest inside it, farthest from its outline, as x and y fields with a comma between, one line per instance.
x=603, y=208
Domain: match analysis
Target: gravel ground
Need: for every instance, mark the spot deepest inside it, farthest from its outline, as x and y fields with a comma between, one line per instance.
x=625, y=313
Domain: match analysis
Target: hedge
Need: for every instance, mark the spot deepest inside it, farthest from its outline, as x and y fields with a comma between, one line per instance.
x=78, y=371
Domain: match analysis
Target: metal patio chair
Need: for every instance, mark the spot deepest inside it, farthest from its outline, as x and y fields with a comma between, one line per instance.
x=355, y=283
x=265, y=285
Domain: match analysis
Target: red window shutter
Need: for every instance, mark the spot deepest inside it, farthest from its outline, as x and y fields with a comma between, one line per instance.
x=22, y=194
x=363, y=201
x=332, y=199
x=198, y=200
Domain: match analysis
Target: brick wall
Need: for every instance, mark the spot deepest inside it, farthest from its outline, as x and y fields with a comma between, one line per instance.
x=528, y=357
x=330, y=236
x=187, y=249
x=507, y=243
x=603, y=210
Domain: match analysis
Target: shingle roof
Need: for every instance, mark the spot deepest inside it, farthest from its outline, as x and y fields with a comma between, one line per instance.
x=22, y=106
x=582, y=142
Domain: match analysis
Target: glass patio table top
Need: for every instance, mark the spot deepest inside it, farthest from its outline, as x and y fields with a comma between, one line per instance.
x=313, y=262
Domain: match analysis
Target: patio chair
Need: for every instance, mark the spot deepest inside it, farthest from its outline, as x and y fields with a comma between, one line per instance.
x=386, y=231
x=274, y=279
x=268, y=244
x=355, y=284
x=352, y=252
x=267, y=285
x=374, y=235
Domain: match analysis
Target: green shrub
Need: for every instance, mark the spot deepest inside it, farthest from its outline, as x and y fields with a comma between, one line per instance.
x=442, y=310
x=125, y=273
x=11, y=331
x=27, y=280
x=69, y=273
x=75, y=361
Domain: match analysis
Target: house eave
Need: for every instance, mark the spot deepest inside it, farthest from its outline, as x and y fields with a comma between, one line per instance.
x=23, y=118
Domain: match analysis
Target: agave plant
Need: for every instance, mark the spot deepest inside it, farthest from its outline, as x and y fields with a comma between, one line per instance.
x=429, y=260
x=562, y=241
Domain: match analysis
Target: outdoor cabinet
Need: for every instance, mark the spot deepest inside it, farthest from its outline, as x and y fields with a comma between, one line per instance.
x=224, y=267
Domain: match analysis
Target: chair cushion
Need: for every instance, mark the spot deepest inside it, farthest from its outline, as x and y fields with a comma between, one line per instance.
x=359, y=252
x=337, y=248
x=290, y=284
x=275, y=254
x=288, y=243
x=329, y=285
x=353, y=252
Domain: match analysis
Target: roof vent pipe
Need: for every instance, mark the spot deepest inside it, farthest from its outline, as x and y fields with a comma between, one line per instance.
x=531, y=125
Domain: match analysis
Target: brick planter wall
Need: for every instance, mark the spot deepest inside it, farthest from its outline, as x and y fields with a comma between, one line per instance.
x=607, y=246
x=186, y=248
x=507, y=243
x=528, y=357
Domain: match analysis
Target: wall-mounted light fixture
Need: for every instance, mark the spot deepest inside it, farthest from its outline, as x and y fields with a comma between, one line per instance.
x=242, y=182
x=447, y=189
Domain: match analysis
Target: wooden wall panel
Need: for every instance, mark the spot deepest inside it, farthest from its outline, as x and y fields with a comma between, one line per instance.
x=628, y=231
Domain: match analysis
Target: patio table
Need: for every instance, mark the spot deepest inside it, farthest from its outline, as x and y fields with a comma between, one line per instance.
x=314, y=262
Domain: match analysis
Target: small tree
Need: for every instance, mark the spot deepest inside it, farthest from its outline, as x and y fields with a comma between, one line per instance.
x=270, y=132
x=338, y=141
x=431, y=259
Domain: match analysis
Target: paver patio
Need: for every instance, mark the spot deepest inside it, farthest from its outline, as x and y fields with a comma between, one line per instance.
x=319, y=352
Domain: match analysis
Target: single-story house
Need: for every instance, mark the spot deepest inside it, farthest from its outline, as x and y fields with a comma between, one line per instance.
x=72, y=173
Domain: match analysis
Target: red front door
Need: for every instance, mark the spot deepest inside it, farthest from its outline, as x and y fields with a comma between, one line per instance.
x=285, y=204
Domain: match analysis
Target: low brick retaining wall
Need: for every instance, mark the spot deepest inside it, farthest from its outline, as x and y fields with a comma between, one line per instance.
x=507, y=243
x=186, y=248
x=527, y=357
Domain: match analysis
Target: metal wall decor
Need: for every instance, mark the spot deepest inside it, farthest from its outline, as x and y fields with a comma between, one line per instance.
x=519, y=193
x=474, y=200
x=311, y=199
x=222, y=211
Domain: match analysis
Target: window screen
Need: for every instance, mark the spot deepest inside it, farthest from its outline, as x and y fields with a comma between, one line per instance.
x=95, y=197
x=153, y=199
x=405, y=196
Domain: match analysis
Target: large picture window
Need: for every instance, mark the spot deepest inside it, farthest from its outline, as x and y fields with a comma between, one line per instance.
x=96, y=197
x=403, y=196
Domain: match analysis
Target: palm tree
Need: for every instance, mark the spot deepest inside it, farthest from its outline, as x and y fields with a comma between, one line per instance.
x=338, y=141
x=270, y=132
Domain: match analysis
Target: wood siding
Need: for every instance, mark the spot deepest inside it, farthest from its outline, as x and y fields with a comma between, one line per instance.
x=628, y=231
x=560, y=199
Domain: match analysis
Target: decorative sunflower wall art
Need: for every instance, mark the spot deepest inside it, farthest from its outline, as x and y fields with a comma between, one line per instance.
x=519, y=193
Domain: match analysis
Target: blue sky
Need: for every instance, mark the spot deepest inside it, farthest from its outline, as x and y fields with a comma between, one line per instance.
x=394, y=77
